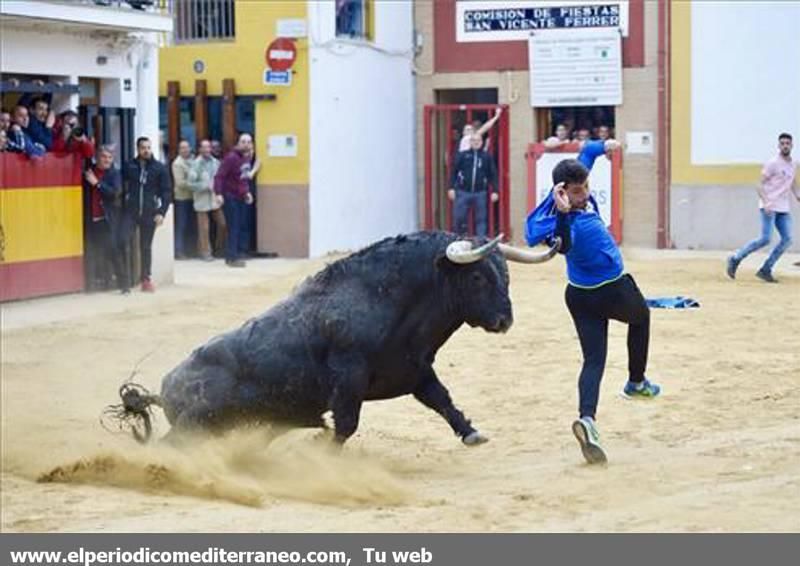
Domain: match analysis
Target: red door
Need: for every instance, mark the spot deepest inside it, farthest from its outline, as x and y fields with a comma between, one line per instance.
x=444, y=124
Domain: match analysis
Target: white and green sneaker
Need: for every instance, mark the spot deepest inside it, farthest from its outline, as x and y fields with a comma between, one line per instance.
x=589, y=439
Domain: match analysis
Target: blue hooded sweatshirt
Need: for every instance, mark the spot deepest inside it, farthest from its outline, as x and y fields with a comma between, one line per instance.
x=592, y=255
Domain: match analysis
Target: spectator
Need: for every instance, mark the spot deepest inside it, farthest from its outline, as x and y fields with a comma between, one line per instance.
x=70, y=137
x=18, y=140
x=184, y=206
x=582, y=135
x=473, y=174
x=206, y=203
x=107, y=229
x=5, y=120
x=216, y=149
x=560, y=138
x=603, y=133
x=3, y=140
x=778, y=182
x=465, y=144
x=247, y=234
x=232, y=181
x=147, y=193
x=40, y=123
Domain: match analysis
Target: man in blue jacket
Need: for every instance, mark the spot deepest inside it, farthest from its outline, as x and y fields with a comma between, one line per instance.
x=598, y=290
x=473, y=176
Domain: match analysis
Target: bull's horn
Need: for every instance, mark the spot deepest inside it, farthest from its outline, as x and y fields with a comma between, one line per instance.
x=461, y=251
x=525, y=256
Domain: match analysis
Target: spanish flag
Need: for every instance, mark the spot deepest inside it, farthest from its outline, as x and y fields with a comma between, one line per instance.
x=41, y=226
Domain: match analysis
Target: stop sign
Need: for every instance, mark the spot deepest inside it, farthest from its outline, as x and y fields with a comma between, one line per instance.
x=281, y=54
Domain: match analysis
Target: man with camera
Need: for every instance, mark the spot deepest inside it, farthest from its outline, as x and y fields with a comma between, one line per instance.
x=70, y=137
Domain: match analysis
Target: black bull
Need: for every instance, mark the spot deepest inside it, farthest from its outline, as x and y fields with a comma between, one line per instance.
x=366, y=327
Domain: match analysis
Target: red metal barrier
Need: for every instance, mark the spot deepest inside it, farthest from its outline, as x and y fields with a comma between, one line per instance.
x=600, y=181
x=443, y=125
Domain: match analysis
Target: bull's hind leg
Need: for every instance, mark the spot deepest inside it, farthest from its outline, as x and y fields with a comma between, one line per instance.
x=351, y=379
x=433, y=394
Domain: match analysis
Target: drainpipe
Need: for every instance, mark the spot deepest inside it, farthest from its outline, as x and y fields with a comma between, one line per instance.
x=664, y=124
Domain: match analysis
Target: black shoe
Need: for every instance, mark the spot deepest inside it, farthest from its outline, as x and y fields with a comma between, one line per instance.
x=125, y=291
x=731, y=267
x=235, y=263
x=766, y=276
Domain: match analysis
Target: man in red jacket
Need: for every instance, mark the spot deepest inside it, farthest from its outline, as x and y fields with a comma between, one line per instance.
x=232, y=181
x=69, y=137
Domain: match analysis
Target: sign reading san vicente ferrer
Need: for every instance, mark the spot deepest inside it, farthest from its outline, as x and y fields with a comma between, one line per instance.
x=515, y=20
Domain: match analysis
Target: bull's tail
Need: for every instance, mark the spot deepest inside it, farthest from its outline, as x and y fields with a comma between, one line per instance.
x=134, y=414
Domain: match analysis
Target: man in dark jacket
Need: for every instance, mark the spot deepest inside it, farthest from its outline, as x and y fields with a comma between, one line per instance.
x=473, y=175
x=232, y=181
x=148, y=190
x=106, y=198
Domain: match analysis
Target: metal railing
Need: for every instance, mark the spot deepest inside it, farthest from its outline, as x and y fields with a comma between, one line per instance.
x=203, y=20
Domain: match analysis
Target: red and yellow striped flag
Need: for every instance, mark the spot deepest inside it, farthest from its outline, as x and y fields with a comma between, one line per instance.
x=41, y=219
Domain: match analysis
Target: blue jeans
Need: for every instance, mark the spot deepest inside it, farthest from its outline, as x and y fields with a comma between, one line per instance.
x=783, y=223
x=234, y=210
x=247, y=233
x=184, y=220
x=465, y=201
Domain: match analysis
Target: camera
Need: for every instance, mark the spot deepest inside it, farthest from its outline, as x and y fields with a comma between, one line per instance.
x=77, y=132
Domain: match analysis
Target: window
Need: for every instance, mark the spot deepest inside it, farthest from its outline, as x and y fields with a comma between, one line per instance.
x=592, y=122
x=202, y=20
x=353, y=18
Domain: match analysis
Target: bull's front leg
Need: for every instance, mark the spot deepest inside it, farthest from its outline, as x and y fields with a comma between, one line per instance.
x=350, y=379
x=434, y=395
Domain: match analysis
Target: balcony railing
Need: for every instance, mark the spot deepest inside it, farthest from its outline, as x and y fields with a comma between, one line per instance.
x=203, y=20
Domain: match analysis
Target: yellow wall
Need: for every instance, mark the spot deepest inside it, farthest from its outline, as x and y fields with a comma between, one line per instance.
x=683, y=172
x=244, y=61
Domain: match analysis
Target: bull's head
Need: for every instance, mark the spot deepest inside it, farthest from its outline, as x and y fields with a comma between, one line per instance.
x=481, y=280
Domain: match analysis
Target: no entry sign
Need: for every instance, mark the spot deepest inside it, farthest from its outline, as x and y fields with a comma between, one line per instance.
x=281, y=54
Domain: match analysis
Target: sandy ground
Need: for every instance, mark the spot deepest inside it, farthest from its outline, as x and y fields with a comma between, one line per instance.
x=720, y=451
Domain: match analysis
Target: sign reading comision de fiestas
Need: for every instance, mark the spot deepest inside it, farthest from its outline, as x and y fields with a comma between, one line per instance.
x=499, y=20
x=281, y=54
x=575, y=68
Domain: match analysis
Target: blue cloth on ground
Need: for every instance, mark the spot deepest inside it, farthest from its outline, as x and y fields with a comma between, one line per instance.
x=672, y=303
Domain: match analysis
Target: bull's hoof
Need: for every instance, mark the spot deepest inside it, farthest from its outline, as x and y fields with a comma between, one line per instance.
x=474, y=439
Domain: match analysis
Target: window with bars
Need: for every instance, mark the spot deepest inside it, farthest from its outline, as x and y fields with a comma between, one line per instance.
x=204, y=20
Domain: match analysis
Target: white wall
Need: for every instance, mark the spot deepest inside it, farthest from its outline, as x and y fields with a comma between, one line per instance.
x=721, y=218
x=46, y=50
x=362, y=119
x=745, y=79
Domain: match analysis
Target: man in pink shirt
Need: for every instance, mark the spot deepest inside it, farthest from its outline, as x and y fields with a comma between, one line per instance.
x=778, y=181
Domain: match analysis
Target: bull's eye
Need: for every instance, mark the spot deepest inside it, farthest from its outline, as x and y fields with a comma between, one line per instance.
x=477, y=278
